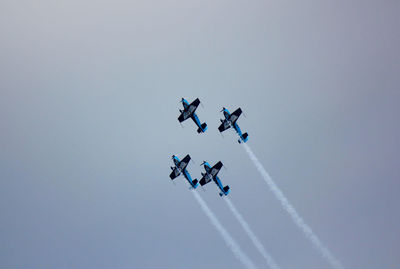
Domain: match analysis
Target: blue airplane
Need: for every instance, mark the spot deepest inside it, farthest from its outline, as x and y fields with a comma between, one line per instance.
x=211, y=174
x=189, y=112
x=180, y=167
x=230, y=121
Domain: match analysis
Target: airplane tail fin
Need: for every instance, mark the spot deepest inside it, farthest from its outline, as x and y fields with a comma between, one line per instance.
x=202, y=128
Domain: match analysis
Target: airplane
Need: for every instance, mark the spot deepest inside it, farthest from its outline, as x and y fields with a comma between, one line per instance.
x=211, y=174
x=180, y=167
x=189, y=112
x=230, y=121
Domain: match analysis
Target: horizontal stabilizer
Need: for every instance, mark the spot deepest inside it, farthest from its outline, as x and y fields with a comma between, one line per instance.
x=226, y=189
x=225, y=192
x=245, y=137
x=202, y=128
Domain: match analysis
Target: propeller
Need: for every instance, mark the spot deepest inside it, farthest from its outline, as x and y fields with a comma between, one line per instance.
x=203, y=163
x=223, y=108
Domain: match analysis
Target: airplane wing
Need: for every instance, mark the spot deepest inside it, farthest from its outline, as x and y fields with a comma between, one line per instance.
x=235, y=115
x=184, y=116
x=182, y=164
x=204, y=180
x=195, y=103
x=175, y=173
x=215, y=169
x=224, y=125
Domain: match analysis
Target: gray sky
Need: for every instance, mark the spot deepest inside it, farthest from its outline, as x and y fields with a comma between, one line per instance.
x=89, y=95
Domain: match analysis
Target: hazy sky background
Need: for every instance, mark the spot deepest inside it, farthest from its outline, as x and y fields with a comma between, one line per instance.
x=89, y=95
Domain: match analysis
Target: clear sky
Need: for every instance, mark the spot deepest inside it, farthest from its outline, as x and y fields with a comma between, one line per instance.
x=89, y=94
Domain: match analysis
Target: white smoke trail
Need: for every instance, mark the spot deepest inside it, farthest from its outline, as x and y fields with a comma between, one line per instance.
x=293, y=213
x=231, y=243
x=271, y=263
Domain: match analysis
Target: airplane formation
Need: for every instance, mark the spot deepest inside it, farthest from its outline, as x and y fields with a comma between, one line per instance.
x=211, y=173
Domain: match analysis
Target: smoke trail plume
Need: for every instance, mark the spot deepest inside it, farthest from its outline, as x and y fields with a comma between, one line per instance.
x=231, y=243
x=271, y=263
x=293, y=213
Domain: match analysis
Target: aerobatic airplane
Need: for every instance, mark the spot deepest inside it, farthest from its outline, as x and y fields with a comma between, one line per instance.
x=180, y=167
x=211, y=174
x=189, y=112
x=230, y=121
